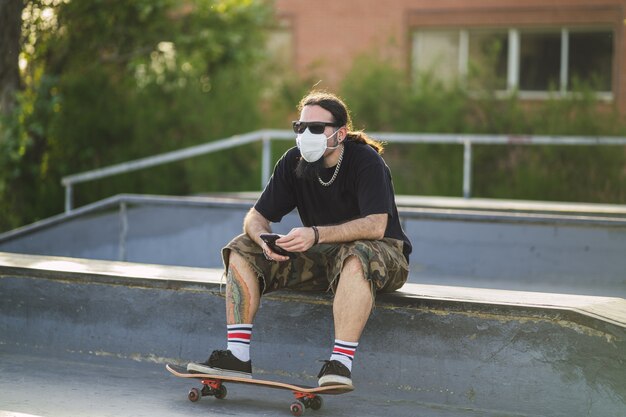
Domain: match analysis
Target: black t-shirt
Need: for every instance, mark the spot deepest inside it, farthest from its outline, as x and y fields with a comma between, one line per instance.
x=363, y=186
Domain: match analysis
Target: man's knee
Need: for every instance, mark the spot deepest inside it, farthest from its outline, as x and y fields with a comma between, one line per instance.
x=353, y=279
x=352, y=268
x=234, y=257
x=238, y=263
x=231, y=258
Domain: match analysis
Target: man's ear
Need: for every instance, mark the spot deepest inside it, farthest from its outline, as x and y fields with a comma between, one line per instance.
x=343, y=132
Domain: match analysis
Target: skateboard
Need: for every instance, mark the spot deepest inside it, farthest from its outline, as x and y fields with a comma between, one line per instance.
x=213, y=385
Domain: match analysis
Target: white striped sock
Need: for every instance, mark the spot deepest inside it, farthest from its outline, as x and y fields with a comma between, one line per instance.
x=344, y=352
x=239, y=336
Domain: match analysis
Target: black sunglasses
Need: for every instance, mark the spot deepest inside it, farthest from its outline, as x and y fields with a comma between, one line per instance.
x=314, y=127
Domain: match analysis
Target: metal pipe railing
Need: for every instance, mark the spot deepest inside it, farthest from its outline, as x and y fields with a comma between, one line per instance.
x=266, y=136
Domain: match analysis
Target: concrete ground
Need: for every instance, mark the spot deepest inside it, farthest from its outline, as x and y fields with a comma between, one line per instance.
x=85, y=338
x=85, y=385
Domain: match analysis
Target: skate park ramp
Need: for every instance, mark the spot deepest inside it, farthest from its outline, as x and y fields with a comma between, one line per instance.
x=496, y=244
x=428, y=350
x=512, y=309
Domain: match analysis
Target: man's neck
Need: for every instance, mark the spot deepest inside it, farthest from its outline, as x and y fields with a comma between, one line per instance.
x=332, y=158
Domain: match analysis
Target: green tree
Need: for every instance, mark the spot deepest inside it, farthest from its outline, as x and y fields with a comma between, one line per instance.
x=10, y=35
x=10, y=29
x=108, y=81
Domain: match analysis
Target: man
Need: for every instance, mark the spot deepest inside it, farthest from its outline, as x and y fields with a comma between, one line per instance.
x=351, y=241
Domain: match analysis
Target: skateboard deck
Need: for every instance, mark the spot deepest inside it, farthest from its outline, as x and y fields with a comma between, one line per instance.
x=213, y=385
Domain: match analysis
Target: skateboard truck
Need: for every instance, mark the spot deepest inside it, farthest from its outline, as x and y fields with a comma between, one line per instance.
x=210, y=388
x=305, y=400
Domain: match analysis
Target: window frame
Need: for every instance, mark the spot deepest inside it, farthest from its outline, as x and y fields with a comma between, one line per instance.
x=513, y=59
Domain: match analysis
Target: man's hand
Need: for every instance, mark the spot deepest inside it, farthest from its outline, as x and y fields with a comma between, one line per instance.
x=254, y=224
x=270, y=255
x=299, y=239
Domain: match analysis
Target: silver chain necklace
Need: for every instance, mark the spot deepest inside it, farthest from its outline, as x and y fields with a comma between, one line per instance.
x=326, y=184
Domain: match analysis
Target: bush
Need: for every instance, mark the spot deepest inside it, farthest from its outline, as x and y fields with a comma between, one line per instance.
x=382, y=99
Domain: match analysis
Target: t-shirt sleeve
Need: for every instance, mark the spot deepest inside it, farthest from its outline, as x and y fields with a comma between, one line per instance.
x=277, y=198
x=375, y=195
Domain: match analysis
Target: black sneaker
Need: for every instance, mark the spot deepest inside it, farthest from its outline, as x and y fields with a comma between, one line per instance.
x=224, y=363
x=334, y=373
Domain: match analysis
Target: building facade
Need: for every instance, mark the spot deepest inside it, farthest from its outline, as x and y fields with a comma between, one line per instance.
x=535, y=47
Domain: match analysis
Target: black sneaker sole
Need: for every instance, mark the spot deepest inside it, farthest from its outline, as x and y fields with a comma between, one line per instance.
x=195, y=368
x=334, y=380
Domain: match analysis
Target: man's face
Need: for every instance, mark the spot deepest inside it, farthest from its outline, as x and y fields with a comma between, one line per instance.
x=316, y=113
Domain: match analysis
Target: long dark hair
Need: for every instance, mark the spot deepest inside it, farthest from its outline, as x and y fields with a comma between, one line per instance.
x=341, y=116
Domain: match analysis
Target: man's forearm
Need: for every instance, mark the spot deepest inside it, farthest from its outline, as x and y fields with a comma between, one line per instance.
x=371, y=227
x=255, y=224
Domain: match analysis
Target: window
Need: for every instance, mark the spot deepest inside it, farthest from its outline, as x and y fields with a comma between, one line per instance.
x=532, y=61
x=437, y=52
x=540, y=61
x=488, y=52
x=279, y=46
x=590, y=54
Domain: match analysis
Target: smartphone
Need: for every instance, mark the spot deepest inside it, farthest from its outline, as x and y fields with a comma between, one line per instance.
x=270, y=239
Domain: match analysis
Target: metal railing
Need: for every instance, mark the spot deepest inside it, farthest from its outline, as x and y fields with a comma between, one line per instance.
x=266, y=136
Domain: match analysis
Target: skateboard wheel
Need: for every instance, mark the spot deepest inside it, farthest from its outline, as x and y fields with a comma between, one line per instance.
x=316, y=402
x=297, y=408
x=221, y=392
x=194, y=395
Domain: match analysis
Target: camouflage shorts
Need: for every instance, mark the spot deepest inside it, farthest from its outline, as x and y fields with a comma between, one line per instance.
x=318, y=268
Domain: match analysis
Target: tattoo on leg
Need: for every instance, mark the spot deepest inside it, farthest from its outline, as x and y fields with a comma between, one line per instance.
x=237, y=297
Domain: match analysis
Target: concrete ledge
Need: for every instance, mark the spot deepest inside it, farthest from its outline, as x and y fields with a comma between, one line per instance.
x=606, y=309
x=488, y=352
x=487, y=204
x=110, y=272
x=576, y=249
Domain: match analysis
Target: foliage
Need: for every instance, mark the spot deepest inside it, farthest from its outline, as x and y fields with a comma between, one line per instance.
x=382, y=98
x=109, y=81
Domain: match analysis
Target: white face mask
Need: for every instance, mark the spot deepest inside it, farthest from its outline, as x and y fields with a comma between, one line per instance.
x=312, y=146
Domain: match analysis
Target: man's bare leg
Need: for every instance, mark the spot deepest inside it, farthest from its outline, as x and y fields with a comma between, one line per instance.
x=242, y=303
x=353, y=302
x=242, y=291
x=351, y=309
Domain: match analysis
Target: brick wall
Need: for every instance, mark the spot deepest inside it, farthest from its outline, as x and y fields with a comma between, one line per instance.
x=328, y=34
